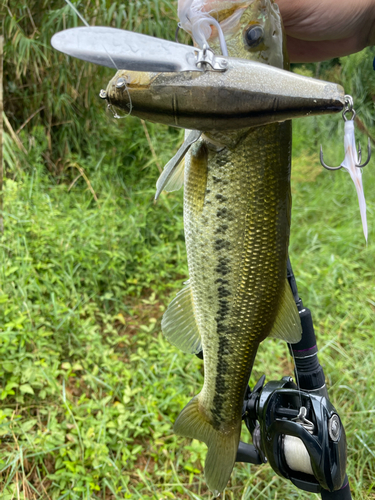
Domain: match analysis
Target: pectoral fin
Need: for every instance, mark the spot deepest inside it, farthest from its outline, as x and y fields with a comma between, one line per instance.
x=179, y=324
x=172, y=177
x=287, y=325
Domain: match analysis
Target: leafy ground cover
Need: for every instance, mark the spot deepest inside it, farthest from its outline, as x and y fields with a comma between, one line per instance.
x=89, y=387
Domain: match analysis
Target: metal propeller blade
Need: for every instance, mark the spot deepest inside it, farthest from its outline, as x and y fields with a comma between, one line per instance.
x=120, y=49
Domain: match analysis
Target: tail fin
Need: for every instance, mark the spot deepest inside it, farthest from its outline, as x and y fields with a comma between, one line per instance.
x=222, y=447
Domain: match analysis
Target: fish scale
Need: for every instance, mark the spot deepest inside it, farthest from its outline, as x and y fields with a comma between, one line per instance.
x=237, y=291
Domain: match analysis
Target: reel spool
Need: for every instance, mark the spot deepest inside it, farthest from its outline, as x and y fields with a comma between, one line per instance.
x=296, y=455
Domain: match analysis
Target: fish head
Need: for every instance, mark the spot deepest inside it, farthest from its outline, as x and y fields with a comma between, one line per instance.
x=252, y=29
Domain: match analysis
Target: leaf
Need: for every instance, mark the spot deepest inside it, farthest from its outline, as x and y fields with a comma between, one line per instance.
x=26, y=389
x=10, y=385
x=169, y=494
x=28, y=425
x=10, y=270
x=8, y=366
x=121, y=318
x=3, y=299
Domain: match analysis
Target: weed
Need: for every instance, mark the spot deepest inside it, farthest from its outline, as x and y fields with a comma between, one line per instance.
x=89, y=387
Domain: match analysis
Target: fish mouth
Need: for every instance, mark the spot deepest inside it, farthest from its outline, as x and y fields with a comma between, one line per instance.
x=210, y=20
x=226, y=16
x=228, y=28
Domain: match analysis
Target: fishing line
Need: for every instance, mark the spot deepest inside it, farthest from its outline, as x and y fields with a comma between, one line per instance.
x=198, y=24
x=109, y=106
x=78, y=13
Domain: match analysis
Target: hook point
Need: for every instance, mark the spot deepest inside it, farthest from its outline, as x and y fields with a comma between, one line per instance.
x=368, y=155
x=324, y=164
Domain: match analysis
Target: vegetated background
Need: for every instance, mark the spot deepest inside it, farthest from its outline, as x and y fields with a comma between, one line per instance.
x=89, y=387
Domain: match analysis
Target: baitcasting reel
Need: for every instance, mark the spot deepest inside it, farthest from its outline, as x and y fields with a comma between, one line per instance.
x=300, y=434
x=297, y=430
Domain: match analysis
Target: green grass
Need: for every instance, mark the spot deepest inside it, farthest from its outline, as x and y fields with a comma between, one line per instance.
x=89, y=388
x=45, y=87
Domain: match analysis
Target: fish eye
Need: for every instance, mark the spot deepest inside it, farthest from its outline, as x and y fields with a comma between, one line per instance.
x=254, y=36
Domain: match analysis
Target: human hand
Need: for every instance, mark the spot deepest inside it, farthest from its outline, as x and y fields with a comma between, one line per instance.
x=322, y=29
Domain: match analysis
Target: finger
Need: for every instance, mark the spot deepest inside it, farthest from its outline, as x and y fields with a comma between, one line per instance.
x=302, y=51
x=328, y=19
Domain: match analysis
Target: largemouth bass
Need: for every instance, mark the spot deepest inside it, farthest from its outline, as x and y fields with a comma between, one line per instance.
x=237, y=207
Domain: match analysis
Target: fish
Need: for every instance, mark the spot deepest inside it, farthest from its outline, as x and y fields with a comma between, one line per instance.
x=237, y=216
x=237, y=199
x=237, y=203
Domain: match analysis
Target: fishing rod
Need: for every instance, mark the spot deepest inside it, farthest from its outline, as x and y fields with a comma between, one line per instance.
x=297, y=429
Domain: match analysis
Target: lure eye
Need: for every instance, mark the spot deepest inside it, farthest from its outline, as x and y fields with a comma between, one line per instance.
x=254, y=36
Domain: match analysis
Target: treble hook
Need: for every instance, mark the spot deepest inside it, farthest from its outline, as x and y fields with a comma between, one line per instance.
x=349, y=109
x=323, y=164
x=359, y=165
